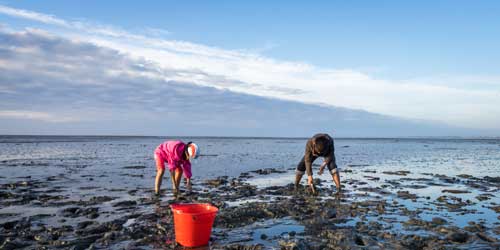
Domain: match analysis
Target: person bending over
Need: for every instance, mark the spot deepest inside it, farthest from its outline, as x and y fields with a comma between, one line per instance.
x=178, y=155
x=320, y=145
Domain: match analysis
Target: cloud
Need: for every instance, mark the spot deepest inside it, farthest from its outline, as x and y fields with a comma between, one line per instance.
x=33, y=115
x=423, y=98
x=73, y=87
x=35, y=16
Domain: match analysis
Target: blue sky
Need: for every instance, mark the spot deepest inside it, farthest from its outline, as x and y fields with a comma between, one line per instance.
x=430, y=61
x=397, y=39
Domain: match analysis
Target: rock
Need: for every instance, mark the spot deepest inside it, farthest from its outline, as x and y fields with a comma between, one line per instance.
x=93, y=215
x=413, y=242
x=100, y=199
x=496, y=209
x=359, y=240
x=400, y=172
x=135, y=167
x=455, y=191
x=458, y=237
x=11, y=244
x=243, y=247
x=217, y=181
x=406, y=195
x=437, y=221
x=267, y=171
x=486, y=237
x=125, y=204
x=492, y=179
x=484, y=197
x=263, y=236
x=84, y=224
x=84, y=243
x=474, y=227
x=285, y=245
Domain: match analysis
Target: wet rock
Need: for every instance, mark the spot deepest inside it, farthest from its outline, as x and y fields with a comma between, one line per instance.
x=484, y=197
x=496, y=209
x=267, y=171
x=84, y=242
x=474, y=227
x=372, y=178
x=458, y=237
x=243, y=247
x=485, y=237
x=406, y=195
x=249, y=213
x=84, y=224
x=492, y=179
x=438, y=221
x=263, y=236
x=400, y=172
x=288, y=245
x=447, y=179
x=100, y=199
x=93, y=215
x=135, y=167
x=125, y=204
x=414, y=242
x=78, y=211
x=11, y=244
x=358, y=240
x=455, y=191
x=217, y=181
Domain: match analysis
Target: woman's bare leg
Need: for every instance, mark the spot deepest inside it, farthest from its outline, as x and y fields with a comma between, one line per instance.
x=172, y=178
x=159, y=177
x=178, y=177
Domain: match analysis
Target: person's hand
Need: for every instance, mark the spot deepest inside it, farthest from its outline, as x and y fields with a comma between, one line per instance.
x=309, y=180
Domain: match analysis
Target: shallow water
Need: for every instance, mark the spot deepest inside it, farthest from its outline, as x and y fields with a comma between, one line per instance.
x=79, y=168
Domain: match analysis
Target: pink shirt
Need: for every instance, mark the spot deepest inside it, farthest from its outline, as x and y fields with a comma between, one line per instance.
x=173, y=153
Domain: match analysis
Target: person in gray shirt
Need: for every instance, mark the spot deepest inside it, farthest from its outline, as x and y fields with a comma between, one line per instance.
x=320, y=145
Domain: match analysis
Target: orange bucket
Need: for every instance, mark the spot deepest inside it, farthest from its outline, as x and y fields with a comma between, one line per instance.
x=193, y=223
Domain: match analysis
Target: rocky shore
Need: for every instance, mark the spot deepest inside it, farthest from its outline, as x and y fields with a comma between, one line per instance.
x=376, y=210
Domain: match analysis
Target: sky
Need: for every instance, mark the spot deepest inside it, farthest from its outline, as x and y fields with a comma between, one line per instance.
x=414, y=68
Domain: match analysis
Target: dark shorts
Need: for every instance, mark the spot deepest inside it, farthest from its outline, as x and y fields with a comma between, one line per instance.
x=301, y=168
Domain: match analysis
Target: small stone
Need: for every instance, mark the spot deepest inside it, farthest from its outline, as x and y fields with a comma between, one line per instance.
x=438, y=221
x=486, y=237
x=459, y=237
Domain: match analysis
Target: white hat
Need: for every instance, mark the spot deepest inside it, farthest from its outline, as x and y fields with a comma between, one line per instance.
x=193, y=151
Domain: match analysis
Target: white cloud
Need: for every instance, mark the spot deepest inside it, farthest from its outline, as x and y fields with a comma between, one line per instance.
x=35, y=16
x=426, y=98
x=34, y=115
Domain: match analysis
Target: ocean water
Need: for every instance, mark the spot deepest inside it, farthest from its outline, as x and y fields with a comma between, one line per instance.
x=76, y=156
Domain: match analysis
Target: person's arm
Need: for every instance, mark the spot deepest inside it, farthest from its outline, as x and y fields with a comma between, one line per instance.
x=186, y=166
x=322, y=167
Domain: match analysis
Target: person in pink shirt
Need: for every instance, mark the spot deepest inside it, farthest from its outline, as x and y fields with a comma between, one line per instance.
x=178, y=156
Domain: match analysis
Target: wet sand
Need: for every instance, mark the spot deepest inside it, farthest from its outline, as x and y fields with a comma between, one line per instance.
x=258, y=210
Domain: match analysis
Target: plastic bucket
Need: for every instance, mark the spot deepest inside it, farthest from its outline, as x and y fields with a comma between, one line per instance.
x=193, y=223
